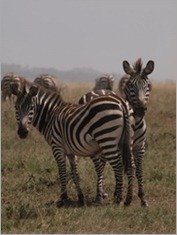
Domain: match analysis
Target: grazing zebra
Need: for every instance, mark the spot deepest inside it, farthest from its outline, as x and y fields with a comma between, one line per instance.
x=92, y=94
x=103, y=86
x=48, y=82
x=104, y=82
x=5, y=86
x=101, y=125
x=135, y=87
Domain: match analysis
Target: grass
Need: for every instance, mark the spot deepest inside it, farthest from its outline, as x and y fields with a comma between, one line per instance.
x=30, y=179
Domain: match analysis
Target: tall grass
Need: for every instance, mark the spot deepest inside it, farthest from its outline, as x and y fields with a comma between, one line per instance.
x=30, y=179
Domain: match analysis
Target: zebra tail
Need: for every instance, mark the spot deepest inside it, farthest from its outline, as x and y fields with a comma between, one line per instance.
x=126, y=141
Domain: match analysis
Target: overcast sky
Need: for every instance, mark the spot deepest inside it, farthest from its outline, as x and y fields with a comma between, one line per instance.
x=98, y=34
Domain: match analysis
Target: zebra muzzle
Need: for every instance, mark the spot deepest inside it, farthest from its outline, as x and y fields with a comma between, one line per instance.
x=22, y=131
x=140, y=112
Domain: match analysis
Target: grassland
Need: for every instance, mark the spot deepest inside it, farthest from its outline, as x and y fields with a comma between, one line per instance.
x=29, y=179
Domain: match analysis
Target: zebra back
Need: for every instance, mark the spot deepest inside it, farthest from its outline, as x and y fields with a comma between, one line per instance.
x=95, y=93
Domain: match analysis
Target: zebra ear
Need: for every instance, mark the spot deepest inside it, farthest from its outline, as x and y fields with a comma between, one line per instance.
x=149, y=67
x=14, y=87
x=127, y=68
x=33, y=91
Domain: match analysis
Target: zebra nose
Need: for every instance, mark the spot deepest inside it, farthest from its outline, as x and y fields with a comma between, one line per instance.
x=22, y=132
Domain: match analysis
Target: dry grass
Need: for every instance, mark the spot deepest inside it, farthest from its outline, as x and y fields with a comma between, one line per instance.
x=29, y=179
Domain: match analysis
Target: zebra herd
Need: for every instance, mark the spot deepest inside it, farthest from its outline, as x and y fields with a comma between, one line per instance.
x=103, y=126
x=45, y=80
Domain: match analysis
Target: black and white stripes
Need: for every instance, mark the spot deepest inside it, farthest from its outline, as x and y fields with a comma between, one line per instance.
x=5, y=86
x=100, y=126
x=47, y=81
x=135, y=87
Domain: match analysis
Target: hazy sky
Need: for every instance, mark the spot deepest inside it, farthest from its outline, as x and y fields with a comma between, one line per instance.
x=98, y=34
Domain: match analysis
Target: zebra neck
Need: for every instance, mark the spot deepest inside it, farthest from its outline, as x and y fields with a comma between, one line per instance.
x=46, y=104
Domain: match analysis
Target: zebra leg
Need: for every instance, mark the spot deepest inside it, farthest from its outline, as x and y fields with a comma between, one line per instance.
x=99, y=163
x=76, y=179
x=131, y=176
x=116, y=163
x=139, y=174
x=61, y=163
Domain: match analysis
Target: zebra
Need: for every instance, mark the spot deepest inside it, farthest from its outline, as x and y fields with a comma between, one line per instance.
x=95, y=93
x=5, y=86
x=91, y=95
x=103, y=86
x=105, y=82
x=47, y=81
x=101, y=125
x=135, y=87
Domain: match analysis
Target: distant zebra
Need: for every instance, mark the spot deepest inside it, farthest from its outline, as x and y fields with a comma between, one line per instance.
x=5, y=86
x=47, y=81
x=102, y=125
x=92, y=94
x=105, y=82
x=103, y=86
x=135, y=87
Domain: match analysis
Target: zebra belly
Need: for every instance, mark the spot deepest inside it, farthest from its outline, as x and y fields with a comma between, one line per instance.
x=90, y=148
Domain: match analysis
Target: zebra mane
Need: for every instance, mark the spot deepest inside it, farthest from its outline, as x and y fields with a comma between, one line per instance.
x=122, y=84
x=137, y=66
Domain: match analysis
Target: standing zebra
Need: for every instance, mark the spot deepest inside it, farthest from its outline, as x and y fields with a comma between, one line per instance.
x=102, y=125
x=135, y=87
x=5, y=86
x=47, y=81
x=103, y=86
x=106, y=84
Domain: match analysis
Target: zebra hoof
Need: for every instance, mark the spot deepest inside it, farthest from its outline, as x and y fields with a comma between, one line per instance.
x=105, y=195
x=81, y=203
x=60, y=203
x=144, y=204
x=99, y=200
x=126, y=204
x=117, y=200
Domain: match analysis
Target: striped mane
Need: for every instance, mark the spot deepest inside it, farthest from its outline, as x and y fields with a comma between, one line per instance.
x=137, y=66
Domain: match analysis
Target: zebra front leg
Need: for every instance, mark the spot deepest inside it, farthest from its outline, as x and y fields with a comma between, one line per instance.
x=61, y=163
x=131, y=176
x=99, y=163
x=76, y=179
x=139, y=175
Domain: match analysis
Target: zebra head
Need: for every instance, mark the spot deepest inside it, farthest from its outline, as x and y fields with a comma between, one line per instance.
x=138, y=85
x=106, y=81
x=24, y=107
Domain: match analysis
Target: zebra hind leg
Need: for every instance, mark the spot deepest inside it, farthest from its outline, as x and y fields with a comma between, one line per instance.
x=117, y=166
x=76, y=179
x=99, y=164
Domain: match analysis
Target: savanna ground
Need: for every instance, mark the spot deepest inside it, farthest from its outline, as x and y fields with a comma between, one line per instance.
x=30, y=186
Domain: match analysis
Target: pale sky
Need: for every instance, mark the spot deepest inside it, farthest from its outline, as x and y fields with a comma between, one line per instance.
x=98, y=34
